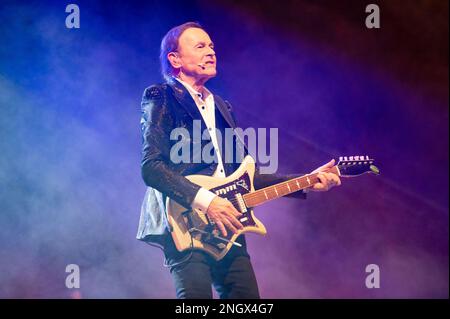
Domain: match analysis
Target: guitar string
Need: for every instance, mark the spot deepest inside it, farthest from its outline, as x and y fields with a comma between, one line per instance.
x=258, y=194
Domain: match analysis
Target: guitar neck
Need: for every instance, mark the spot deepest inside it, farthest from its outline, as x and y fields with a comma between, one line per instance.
x=275, y=191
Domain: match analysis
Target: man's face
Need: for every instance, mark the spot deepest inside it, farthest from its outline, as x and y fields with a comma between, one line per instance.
x=196, y=54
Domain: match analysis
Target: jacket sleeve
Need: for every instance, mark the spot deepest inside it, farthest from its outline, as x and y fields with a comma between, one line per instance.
x=264, y=180
x=156, y=125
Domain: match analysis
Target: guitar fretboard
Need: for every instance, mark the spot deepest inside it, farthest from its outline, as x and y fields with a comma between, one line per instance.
x=266, y=194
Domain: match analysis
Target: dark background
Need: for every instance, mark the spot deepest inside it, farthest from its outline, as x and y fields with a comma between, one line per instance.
x=70, y=142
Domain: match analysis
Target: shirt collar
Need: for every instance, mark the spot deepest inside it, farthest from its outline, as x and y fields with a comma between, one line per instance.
x=192, y=91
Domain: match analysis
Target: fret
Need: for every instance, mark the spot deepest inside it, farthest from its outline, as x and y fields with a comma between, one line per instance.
x=284, y=188
x=278, y=190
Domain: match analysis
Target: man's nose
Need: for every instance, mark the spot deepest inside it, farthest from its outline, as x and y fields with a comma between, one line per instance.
x=211, y=52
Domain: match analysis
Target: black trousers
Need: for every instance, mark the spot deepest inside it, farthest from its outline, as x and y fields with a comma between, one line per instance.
x=194, y=272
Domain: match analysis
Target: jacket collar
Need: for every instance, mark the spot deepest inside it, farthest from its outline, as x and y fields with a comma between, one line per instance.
x=183, y=96
x=185, y=99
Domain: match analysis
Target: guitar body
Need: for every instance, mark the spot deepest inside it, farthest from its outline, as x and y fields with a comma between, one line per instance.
x=191, y=229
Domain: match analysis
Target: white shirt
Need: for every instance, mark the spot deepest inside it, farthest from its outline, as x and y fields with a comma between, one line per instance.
x=207, y=109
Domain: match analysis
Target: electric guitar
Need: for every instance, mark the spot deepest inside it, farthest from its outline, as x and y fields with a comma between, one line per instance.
x=192, y=229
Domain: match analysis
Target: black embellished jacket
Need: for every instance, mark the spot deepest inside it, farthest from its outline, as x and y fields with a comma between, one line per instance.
x=165, y=107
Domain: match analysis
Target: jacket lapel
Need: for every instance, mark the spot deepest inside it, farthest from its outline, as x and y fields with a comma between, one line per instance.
x=185, y=99
x=224, y=110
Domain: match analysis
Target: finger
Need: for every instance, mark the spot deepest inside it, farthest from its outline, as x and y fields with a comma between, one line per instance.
x=324, y=167
x=330, y=179
x=235, y=212
x=235, y=222
x=335, y=179
x=323, y=180
x=229, y=214
x=229, y=225
x=221, y=228
x=318, y=186
x=212, y=215
x=329, y=164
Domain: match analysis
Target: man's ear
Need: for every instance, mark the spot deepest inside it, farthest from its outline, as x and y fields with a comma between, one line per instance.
x=174, y=60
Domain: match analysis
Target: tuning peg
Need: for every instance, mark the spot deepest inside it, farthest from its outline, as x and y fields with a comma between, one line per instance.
x=367, y=157
x=351, y=158
x=356, y=158
x=340, y=158
x=345, y=158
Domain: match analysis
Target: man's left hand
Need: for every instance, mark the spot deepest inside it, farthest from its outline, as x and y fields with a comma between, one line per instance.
x=327, y=180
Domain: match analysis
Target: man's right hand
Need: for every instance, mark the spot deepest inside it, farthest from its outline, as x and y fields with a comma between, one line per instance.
x=223, y=213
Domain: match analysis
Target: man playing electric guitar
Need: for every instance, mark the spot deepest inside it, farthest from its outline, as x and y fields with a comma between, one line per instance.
x=188, y=61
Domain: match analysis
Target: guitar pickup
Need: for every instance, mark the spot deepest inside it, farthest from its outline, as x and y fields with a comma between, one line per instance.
x=240, y=202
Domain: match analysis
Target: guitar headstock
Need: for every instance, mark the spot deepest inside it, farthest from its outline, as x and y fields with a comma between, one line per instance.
x=356, y=165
